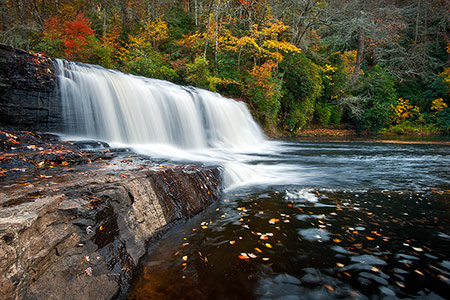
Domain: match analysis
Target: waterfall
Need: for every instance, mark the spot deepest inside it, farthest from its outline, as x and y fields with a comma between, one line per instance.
x=115, y=107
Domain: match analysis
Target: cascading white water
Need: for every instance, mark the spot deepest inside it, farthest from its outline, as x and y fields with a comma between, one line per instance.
x=164, y=120
x=119, y=108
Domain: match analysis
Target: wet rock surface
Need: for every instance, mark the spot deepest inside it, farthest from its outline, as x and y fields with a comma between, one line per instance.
x=75, y=223
x=29, y=97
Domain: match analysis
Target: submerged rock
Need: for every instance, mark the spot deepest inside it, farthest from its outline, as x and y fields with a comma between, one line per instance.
x=77, y=228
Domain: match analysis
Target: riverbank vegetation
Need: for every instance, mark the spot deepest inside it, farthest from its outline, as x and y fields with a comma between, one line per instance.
x=371, y=66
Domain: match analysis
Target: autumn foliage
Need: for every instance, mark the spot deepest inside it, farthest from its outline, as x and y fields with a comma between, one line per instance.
x=76, y=36
x=71, y=38
x=295, y=63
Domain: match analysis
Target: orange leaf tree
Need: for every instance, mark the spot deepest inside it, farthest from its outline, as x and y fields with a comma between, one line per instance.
x=73, y=39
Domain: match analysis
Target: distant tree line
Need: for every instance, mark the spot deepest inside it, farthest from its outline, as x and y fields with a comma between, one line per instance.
x=370, y=64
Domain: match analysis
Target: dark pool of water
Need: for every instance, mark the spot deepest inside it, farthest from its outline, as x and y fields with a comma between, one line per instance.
x=372, y=223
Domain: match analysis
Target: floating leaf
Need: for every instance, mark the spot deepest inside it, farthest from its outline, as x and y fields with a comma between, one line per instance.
x=244, y=256
x=329, y=287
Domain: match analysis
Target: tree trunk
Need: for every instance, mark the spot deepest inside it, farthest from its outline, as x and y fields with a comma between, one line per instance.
x=5, y=16
x=207, y=26
x=153, y=10
x=196, y=12
x=417, y=22
x=359, y=57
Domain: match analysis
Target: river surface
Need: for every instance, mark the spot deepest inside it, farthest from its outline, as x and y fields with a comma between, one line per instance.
x=315, y=220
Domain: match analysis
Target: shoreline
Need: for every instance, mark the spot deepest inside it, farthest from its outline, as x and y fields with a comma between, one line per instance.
x=350, y=135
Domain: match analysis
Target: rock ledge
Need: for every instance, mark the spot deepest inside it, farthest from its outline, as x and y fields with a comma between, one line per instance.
x=75, y=226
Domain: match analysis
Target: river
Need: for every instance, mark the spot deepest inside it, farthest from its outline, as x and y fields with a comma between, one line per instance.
x=365, y=220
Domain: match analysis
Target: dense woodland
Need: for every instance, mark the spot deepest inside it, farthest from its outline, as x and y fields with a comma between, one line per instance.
x=371, y=65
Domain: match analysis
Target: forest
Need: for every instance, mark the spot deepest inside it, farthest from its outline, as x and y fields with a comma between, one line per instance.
x=374, y=66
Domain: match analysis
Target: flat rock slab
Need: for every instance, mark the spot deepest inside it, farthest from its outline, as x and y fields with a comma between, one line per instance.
x=74, y=223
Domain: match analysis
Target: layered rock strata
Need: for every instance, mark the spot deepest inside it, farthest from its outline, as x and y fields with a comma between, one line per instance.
x=74, y=224
x=29, y=96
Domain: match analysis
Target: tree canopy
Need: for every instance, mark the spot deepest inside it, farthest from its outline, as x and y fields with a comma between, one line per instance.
x=370, y=64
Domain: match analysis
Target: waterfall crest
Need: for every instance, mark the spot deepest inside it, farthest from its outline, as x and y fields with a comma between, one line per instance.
x=120, y=108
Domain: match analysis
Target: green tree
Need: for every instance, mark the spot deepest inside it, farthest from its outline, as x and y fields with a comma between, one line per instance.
x=302, y=83
x=264, y=91
x=377, y=93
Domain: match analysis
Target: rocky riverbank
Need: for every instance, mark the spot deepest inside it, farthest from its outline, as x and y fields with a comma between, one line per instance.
x=75, y=223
